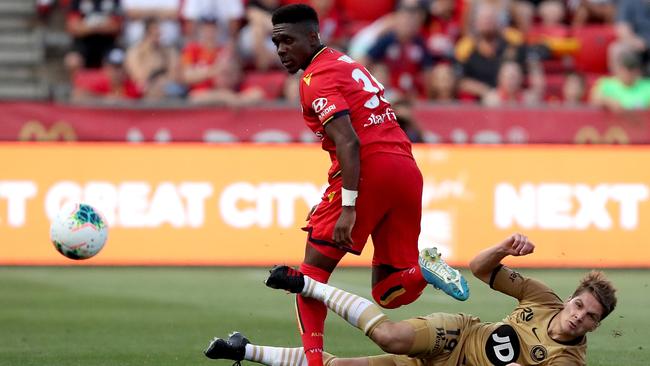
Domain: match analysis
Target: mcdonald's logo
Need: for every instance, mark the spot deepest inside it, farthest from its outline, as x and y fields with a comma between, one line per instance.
x=590, y=135
x=36, y=131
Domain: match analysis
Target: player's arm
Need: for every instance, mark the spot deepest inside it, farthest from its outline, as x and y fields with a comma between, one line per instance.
x=340, y=130
x=488, y=259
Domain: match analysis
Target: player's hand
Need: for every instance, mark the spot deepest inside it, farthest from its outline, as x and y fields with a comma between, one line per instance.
x=518, y=245
x=344, y=225
x=311, y=212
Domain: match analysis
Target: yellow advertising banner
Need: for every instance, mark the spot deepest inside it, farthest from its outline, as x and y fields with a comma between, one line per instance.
x=197, y=204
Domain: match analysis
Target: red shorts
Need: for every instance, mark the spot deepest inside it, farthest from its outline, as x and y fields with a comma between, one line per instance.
x=389, y=207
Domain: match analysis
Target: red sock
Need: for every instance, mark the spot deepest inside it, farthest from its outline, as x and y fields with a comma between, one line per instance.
x=399, y=288
x=311, y=318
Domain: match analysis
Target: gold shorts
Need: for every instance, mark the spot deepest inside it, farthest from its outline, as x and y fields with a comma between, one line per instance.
x=436, y=337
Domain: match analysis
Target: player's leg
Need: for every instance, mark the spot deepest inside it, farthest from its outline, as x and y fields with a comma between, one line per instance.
x=321, y=257
x=392, y=337
x=393, y=186
x=238, y=348
x=311, y=314
x=400, y=274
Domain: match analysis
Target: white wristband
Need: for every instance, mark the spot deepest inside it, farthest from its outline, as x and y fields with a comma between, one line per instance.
x=348, y=197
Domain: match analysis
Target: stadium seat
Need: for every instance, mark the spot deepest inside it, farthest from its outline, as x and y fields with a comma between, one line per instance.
x=85, y=78
x=592, y=53
x=553, y=90
x=356, y=10
x=271, y=82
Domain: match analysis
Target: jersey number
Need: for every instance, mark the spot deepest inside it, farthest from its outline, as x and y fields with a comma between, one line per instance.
x=370, y=84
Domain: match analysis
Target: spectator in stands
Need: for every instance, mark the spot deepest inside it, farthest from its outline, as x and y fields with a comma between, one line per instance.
x=626, y=89
x=167, y=13
x=633, y=29
x=510, y=87
x=574, y=89
x=552, y=31
x=109, y=84
x=482, y=52
x=94, y=26
x=552, y=13
x=443, y=27
x=229, y=15
x=255, y=43
x=382, y=74
x=154, y=67
x=291, y=89
x=523, y=14
x=229, y=88
x=403, y=51
x=200, y=58
x=594, y=12
x=406, y=119
x=359, y=14
x=331, y=23
x=505, y=13
x=444, y=84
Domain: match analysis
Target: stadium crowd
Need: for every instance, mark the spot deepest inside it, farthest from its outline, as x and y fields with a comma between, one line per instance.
x=493, y=52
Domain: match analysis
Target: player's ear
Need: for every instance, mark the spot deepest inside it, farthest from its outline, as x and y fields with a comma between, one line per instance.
x=314, y=38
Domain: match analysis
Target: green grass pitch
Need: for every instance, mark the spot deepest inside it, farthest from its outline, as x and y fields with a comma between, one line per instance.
x=166, y=316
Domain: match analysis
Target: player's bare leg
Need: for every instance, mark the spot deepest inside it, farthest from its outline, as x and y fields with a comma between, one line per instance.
x=392, y=337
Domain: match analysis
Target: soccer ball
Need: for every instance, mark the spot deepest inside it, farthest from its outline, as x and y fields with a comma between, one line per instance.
x=78, y=231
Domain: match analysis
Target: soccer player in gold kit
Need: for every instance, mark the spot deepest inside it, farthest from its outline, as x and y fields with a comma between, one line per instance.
x=542, y=329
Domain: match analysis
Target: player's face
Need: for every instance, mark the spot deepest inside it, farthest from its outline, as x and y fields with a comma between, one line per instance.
x=581, y=314
x=294, y=44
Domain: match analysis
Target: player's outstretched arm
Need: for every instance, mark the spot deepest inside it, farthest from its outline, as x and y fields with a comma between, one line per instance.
x=488, y=259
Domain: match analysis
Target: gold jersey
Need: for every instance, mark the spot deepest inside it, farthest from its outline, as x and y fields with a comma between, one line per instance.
x=522, y=337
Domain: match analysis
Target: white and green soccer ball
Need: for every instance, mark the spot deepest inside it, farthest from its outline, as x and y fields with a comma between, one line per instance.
x=78, y=231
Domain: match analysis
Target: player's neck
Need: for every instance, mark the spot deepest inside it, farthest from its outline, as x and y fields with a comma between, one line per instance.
x=555, y=331
x=313, y=56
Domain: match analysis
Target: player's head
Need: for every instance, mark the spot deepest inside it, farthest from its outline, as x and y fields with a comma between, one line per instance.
x=295, y=35
x=591, y=302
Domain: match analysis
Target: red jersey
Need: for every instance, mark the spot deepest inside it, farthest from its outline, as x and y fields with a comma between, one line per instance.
x=334, y=85
x=98, y=83
x=194, y=54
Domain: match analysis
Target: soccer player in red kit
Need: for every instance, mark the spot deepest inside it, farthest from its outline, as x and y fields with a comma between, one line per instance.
x=375, y=186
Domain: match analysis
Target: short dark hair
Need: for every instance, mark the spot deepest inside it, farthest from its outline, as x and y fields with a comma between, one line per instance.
x=294, y=14
x=598, y=285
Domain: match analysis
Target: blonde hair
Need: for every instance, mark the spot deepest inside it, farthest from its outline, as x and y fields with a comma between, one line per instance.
x=598, y=285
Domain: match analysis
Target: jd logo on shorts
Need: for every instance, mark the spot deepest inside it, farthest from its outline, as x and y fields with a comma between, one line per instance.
x=502, y=347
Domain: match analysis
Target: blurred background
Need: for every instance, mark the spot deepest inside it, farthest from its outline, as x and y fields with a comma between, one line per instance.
x=492, y=53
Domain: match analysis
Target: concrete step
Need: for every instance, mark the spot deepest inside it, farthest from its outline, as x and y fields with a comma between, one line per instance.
x=18, y=73
x=27, y=56
x=14, y=24
x=57, y=39
x=18, y=7
x=20, y=40
x=34, y=91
